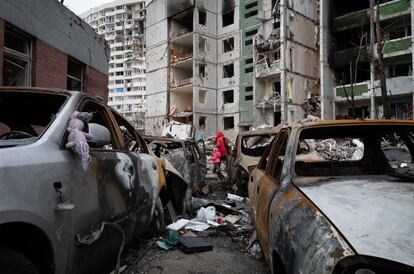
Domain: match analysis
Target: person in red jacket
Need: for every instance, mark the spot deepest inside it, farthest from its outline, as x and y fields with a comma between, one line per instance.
x=221, y=145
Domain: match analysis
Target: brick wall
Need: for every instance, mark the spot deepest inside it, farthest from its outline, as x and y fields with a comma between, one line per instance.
x=1, y=50
x=49, y=66
x=96, y=83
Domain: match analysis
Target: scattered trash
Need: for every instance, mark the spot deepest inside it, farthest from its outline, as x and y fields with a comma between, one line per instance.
x=256, y=251
x=178, y=225
x=170, y=240
x=197, y=226
x=235, y=197
x=193, y=245
x=208, y=213
x=232, y=218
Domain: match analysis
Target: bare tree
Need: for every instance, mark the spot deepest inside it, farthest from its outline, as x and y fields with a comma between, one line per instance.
x=381, y=67
x=353, y=73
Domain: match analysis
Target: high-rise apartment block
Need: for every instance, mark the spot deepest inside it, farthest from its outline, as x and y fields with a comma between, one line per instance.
x=121, y=23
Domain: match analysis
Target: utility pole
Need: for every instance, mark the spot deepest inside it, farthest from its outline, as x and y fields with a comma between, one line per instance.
x=372, y=56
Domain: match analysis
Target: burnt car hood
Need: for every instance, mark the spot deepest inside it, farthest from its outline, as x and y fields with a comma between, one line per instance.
x=375, y=214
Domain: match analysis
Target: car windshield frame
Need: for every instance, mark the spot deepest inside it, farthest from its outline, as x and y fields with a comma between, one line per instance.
x=61, y=99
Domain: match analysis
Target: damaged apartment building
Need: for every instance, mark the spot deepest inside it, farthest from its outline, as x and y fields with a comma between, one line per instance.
x=44, y=44
x=350, y=78
x=286, y=60
x=193, y=51
x=121, y=24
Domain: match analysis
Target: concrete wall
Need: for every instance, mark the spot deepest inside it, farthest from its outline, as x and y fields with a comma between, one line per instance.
x=57, y=26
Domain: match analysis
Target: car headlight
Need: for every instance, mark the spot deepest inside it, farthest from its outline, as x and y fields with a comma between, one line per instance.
x=364, y=271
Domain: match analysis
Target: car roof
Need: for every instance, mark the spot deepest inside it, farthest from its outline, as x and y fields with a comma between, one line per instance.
x=356, y=122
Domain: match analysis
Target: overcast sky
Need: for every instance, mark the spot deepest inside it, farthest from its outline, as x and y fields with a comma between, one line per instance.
x=79, y=6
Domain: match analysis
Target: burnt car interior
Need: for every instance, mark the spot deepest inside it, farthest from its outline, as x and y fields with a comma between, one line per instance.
x=356, y=150
x=255, y=145
x=16, y=126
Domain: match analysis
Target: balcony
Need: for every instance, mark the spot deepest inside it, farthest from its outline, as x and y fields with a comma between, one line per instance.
x=359, y=18
x=264, y=70
x=397, y=47
x=184, y=85
x=361, y=91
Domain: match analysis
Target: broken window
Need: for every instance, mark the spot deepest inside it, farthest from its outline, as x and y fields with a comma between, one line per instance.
x=248, y=97
x=16, y=58
x=399, y=32
x=276, y=87
x=202, y=17
x=251, y=32
x=228, y=96
x=202, y=44
x=228, y=122
x=202, y=96
x=228, y=18
x=74, y=75
x=255, y=145
x=400, y=70
x=202, y=70
x=248, y=89
x=228, y=70
x=228, y=44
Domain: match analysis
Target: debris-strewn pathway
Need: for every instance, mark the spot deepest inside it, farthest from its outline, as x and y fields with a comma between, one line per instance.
x=228, y=254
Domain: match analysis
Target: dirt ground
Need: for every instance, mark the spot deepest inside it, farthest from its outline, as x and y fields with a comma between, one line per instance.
x=228, y=254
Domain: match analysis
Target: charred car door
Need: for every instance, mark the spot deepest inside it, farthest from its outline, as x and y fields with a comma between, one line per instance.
x=105, y=195
x=267, y=186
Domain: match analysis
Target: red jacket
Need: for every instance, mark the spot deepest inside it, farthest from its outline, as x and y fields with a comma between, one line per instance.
x=221, y=144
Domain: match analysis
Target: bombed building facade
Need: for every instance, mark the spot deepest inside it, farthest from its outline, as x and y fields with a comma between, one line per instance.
x=350, y=69
x=59, y=51
x=121, y=24
x=286, y=59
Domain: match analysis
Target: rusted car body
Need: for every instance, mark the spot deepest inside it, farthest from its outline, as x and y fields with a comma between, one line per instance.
x=185, y=156
x=332, y=197
x=248, y=149
x=54, y=216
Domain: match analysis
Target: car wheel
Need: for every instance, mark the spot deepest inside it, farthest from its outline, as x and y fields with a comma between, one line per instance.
x=157, y=224
x=13, y=262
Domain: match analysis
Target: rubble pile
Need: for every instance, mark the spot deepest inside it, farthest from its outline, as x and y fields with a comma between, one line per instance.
x=339, y=149
x=272, y=43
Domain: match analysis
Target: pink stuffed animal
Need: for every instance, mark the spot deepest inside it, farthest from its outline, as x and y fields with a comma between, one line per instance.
x=77, y=139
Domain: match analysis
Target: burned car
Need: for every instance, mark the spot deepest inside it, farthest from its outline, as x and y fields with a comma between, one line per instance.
x=337, y=197
x=186, y=156
x=56, y=217
x=245, y=156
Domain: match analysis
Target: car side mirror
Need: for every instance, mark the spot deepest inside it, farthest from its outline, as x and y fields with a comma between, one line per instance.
x=100, y=135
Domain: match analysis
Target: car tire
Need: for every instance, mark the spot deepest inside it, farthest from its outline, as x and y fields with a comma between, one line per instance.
x=13, y=262
x=157, y=224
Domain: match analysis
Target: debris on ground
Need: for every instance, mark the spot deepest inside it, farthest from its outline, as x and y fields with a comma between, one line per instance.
x=190, y=244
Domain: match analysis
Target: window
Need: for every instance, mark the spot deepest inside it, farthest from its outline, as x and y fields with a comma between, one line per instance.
x=228, y=122
x=202, y=96
x=228, y=18
x=202, y=17
x=75, y=75
x=228, y=44
x=248, y=89
x=202, y=44
x=249, y=6
x=202, y=70
x=248, y=98
x=228, y=70
x=228, y=96
x=250, y=33
x=16, y=58
x=248, y=42
x=248, y=61
x=248, y=70
x=277, y=157
x=250, y=14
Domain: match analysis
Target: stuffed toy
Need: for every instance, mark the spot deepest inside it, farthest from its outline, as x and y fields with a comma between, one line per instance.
x=77, y=139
